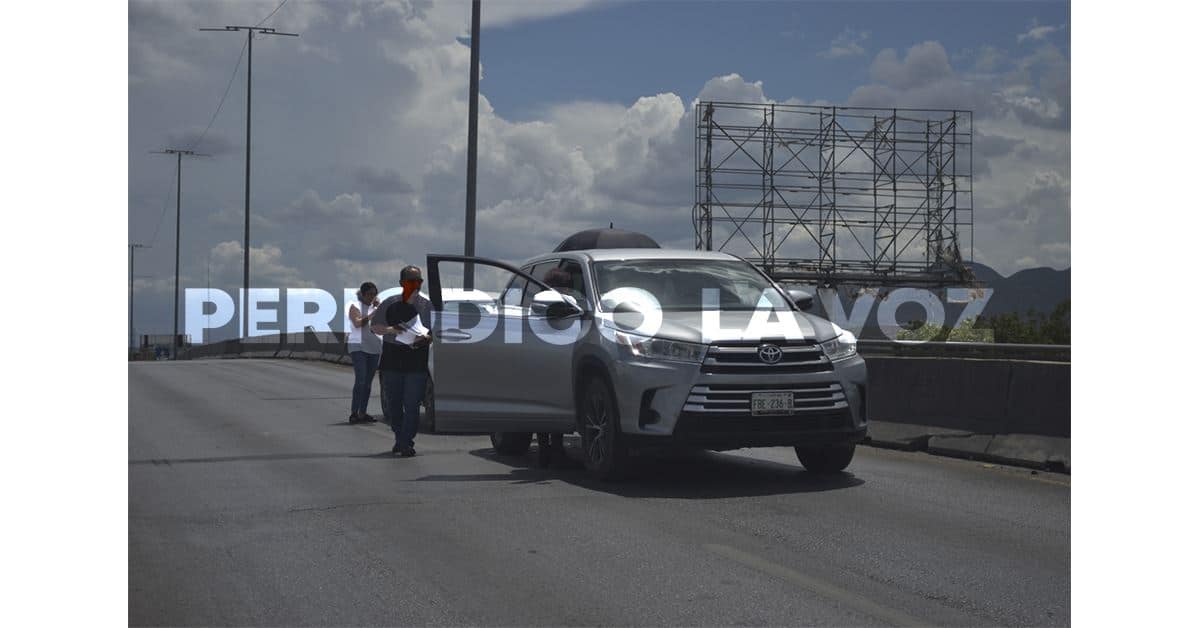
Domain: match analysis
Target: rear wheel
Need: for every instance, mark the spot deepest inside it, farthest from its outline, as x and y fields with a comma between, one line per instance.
x=511, y=443
x=829, y=459
x=603, y=453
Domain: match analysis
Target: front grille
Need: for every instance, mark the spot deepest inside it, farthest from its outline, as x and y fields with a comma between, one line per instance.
x=734, y=399
x=742, y=358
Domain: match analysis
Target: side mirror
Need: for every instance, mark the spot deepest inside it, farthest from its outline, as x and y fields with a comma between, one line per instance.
x=554, y=305
x=801, y=298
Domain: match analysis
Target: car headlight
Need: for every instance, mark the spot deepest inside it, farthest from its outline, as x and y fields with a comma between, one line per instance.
x=843, y=346
x=661, y=348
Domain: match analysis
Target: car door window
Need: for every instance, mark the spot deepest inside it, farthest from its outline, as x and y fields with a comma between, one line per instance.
x=575, y=285
x=538, y=271
x=513, y=292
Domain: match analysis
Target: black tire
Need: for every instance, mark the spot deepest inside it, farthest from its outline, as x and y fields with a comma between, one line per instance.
x=604, y=454
x=429, y=418
x=511, y=443
x=830, y=459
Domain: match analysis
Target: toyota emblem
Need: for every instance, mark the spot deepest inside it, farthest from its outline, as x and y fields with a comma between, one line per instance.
x=770, y=354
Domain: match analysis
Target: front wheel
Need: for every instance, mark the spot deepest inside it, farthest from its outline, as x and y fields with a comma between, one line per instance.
x=603, y=453
x=829, y=459
x=511, y=443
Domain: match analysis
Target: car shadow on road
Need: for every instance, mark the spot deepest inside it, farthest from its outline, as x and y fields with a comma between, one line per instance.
x=685, y=475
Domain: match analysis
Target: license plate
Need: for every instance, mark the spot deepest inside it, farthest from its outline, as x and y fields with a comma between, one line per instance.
x=770, y=403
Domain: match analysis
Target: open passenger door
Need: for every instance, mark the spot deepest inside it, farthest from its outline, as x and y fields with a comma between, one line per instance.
x=503, y=347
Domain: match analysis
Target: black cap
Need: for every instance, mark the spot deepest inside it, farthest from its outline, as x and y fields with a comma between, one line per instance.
x=411, y=272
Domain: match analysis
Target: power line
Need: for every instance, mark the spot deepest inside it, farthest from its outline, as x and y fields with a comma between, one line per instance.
x=176, y=182
x=250, y=32
x=213, y=119
x=232, y=77
x=272, y=13
x=166, y=199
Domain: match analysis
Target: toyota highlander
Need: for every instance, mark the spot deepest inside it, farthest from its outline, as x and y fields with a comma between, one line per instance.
x=634, y=348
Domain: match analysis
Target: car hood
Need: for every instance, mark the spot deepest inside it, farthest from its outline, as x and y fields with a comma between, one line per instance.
x=688, y=326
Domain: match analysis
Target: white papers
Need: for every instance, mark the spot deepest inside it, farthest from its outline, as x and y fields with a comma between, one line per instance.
x=413, y=329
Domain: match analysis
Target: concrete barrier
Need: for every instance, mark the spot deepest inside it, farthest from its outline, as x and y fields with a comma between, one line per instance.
x=1039, y=399
x=986, y=396
x=1010, y=411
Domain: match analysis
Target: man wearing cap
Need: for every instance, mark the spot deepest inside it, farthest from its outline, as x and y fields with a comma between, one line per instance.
x=403, y=368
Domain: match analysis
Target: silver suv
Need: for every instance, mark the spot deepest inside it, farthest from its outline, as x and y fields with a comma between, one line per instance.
x=637, y=348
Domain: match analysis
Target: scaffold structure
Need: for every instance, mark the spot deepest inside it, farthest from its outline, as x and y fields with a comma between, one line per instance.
x=837, y=195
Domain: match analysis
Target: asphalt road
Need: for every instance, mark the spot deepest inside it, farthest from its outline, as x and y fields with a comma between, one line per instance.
x=251, y=502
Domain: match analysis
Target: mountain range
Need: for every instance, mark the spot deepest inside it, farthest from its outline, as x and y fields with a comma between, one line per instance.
x=1037, y=289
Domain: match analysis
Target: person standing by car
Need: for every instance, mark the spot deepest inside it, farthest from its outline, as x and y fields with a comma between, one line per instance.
x=364, y=347
x=404, y=366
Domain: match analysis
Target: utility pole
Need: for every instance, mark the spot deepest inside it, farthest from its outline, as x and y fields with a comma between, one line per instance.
x=132, y=247
x=250, y=31
x=178, y=215
x=472, y=141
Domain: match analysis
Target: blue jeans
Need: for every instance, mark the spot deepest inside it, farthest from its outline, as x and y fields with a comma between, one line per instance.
x=364, y=371
x=402, y=394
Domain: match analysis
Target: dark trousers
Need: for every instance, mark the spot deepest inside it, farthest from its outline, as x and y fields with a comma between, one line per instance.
x=364, y=371
x=402, y=394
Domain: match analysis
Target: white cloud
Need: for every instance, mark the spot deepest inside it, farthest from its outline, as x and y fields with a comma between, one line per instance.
x=166, y=45
x=382, y=180
x=154, y=286
x=267, y=268
x=346, y=208
x=1021, y=119
x=456, y=15
x=924, y=64
x=498, y=13
x=357, y=175
x=732, y=88
x=848, y=43
x=1038, y=32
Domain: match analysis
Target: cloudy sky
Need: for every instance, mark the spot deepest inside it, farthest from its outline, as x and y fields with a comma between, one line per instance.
x=585, y=118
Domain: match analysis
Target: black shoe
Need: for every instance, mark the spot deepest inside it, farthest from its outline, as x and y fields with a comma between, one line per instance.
x=397, y=449
x=354, y=419
x=366, y=418
x=408, y=452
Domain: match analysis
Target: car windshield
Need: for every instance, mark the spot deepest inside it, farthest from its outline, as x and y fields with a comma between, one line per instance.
x=679, y=284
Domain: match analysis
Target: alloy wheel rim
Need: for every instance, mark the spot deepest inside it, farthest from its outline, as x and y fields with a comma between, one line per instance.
x=596, y=423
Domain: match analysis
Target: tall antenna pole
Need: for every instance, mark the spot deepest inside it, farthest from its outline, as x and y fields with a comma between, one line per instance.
x=179, y=153
x=246, y=232
x=472, y=141
x=132, y=247
x=250, y=31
